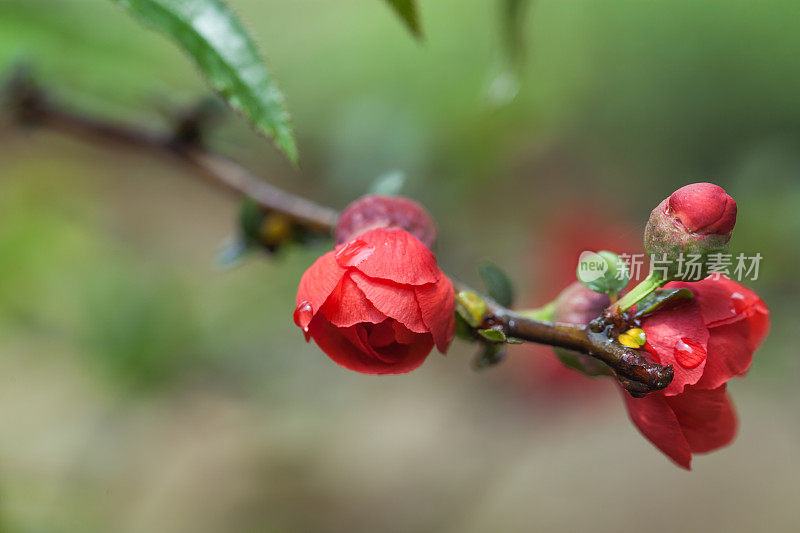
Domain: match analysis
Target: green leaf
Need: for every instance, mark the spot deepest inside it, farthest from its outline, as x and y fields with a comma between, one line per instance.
x=463, y=330
x=407, y=11
x=228, y=57
x=493, y=335
x=497, y=283
x=490, y=356
x=544, y=313
x=584, y=364
x=660, y=298
x=603, y=272
x=470, y=307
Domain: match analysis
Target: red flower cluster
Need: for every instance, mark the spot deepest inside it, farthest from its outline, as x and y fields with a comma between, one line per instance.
x=378, y=303
x=708, y=340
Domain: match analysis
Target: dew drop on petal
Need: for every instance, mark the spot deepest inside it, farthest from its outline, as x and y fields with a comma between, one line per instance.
x=688, y=353
x=303, y=315
x=353, y=253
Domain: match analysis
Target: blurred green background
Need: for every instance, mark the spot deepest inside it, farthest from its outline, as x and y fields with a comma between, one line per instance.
x=144, y=389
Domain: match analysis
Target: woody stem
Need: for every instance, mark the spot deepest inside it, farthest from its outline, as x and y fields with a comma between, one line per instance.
x=31, y=107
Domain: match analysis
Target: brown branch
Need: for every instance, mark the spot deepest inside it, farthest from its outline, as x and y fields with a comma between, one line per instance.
x=31, y=106
x=635, y=372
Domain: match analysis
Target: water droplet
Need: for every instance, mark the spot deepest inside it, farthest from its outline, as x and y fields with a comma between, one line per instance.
x=738, y=305
x=353, y=253
x=688, y=353
x=303, y=315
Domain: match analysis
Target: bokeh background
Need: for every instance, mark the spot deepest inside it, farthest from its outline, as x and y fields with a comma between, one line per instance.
x=142, y=388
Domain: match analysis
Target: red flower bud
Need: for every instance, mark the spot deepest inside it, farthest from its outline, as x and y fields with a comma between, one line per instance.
x=703, y=208
x=578, y=304
x=375, y=211
x=696, y=220
x=707, y=340
x=378, y=303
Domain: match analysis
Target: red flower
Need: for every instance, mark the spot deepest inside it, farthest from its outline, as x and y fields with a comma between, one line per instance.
x=377, y=304
x=708, y=340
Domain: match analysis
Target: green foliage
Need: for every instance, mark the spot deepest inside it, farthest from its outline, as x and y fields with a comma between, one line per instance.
x=603, y=272
x=497, y=282
x=490, y=355
x=492, y=335
x=660, y=298
x=407, y=11
x=211, y=34
x=471, y=307
x=584, y=364
x=140, y=330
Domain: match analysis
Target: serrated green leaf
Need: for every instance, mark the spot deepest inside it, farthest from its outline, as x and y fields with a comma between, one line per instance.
x=493, y=335
x=497, y=283
x=225, y=53
x=407, y=11
x=660, y=298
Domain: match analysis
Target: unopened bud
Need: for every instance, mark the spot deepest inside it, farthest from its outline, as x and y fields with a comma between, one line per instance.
x=376, y=211
x=694, y=222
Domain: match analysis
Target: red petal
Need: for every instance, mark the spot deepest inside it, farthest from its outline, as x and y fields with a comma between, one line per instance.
x=437, y=304
x=396, y=256
x=347, y=306
x=345, y=348
x=671, y=328
x=319, y=281
x=381, y=334
x=402, y=334
x=342, y=351
x=400, y=358
x=729, y=355
x=407, y=357
x=722, y=300
x=655, y=419
x=393, y=300
x=758, y=319
x=706, y=417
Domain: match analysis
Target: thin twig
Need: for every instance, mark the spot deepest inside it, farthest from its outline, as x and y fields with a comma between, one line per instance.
x=33, y=107
x=634, y=370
